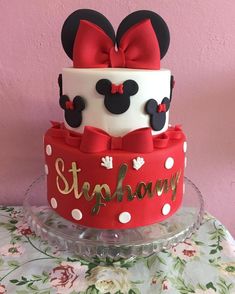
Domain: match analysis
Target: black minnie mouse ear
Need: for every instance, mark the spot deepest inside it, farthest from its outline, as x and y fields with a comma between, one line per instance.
x=71, y=24
x=151, y=106
x=159, y=26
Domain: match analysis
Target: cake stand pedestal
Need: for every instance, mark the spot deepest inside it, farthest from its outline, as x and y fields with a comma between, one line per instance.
x=90, y=244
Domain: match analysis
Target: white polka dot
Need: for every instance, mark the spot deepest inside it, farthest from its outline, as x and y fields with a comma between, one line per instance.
x=185, y=162
x=169, y=163
x=184, y=188
x=54, y=203
x=48, y=150
x=185, y=146
x=124, y=217
x=77, y=214
x=46, y=169
x=166, y=209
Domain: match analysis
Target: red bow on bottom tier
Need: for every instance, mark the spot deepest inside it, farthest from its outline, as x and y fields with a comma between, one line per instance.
x=95, y=140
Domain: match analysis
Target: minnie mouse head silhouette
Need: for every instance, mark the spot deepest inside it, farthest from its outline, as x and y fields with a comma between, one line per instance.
x=117, y=97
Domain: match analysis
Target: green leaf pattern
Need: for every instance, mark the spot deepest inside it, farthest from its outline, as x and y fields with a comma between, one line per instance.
x=205, y=263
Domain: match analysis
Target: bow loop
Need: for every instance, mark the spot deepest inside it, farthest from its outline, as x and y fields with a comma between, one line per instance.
x=91, y=46
x=94, y=140
x=139, y=141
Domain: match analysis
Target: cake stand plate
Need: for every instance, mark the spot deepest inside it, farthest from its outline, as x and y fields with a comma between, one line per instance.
x=90, y=244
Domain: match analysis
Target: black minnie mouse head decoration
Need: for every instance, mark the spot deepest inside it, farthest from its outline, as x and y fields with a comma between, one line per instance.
x=73, y=110
x=89, y=39
x=157, y=112
x=117, y=96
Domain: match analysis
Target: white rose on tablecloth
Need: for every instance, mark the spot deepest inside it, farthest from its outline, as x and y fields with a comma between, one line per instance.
x=2, y=289
x=110, y=279
x=68, y=277
x=12, y=250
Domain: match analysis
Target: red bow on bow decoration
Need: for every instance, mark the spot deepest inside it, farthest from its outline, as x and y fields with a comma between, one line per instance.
x=95, y=140
x=117, y=89
x=161, y=107
x=138, y=47
x=69, y=105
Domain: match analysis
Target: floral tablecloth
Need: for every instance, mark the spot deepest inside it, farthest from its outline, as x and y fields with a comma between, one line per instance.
x=203, y=264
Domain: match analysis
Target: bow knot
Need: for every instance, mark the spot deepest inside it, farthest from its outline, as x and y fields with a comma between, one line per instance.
x=116, y=143
x=117, y=89
x=117, y=57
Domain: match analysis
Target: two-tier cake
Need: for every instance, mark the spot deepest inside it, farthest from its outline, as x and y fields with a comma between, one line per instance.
x=115, y=163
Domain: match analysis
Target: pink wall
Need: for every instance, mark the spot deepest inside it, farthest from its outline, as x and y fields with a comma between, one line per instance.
x=201, y=57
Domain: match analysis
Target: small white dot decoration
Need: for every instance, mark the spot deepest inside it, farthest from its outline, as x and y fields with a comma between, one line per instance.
x=124, y=217
x=48, y=150
x=169, y=163
x=166, y=209
x=46, y=169
x=185, y=146
x=185, y=162
x=54, y=203
x=77, y=214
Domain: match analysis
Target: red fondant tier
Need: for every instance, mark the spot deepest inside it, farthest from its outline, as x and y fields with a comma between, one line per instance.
x=114, y=188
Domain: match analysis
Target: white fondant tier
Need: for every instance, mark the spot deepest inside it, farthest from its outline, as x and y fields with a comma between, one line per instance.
x=153, y=84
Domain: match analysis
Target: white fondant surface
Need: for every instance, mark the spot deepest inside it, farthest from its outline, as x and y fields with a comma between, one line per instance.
x=153, y=84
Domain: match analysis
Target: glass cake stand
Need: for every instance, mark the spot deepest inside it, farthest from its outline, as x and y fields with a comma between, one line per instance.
x=90, y=244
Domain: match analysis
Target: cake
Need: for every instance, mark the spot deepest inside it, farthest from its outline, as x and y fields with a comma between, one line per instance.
x=115, y=162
